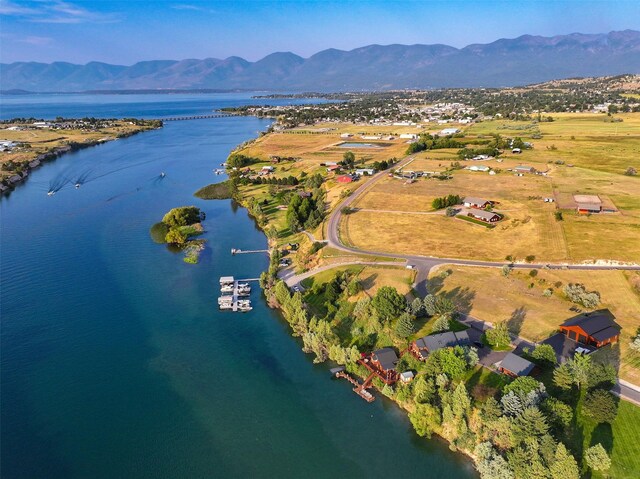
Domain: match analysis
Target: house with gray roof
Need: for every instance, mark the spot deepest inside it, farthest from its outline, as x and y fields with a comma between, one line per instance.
x=515, y=366
x=420, y=348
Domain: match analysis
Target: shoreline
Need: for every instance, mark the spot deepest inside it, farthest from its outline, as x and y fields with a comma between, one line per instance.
x=18, y=179
x=269, y=295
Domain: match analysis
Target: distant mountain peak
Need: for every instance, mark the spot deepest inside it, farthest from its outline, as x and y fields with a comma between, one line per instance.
x=504, y=62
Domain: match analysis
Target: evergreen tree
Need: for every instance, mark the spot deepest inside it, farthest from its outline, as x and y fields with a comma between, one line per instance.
x=461, y=403
x=597, y=458
x=405, y=326
x=565, y=465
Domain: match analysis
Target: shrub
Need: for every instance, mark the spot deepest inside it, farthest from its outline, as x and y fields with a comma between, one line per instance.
x=577, y=293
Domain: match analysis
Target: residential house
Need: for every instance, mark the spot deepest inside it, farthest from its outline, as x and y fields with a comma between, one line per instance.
x=383, y=364
x=449, y=131
x=515, y=366
x=420, y=348
x=486, y=216
x=365, y=171
x=473, y=202
x=597, y=328
x=482, y=168
x=333, y=168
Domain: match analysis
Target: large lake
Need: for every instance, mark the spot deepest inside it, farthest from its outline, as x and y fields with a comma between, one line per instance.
x=116, y=363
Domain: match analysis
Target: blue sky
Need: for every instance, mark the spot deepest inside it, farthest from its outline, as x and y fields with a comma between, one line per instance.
x=125, y=32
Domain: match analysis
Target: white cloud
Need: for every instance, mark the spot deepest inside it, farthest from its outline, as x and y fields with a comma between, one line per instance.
x=190, y=7
x=56, y=11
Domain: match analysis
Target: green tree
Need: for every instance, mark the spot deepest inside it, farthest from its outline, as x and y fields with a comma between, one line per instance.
x=597, y=458
x=182, y=216
x=544, y=354
x=461, y=402
x=530, y=423
x=349, y=159
x=562, y=376
x=441, y=324
x=417, y=308
x=600, y=405
x=498, y=337
x=559, y=413
x=580, y=366
x=388, y=303
x=175, y=236
x=424, y=390
x=525, y=385
x=425, y=418
x=405, y=326
x=565, y=465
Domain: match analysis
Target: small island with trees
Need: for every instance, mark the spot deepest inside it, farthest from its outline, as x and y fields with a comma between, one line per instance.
x=177, y=229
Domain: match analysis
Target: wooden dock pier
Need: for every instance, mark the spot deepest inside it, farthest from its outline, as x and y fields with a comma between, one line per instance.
x=235, y=251
x=359, y=389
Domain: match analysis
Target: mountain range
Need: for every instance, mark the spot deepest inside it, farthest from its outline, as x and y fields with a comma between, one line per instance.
x=505, y=62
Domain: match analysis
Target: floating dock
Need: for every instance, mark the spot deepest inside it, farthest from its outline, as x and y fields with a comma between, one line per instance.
x=234, y=294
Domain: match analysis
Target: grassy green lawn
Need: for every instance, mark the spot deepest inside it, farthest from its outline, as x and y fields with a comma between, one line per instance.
x=621, y=440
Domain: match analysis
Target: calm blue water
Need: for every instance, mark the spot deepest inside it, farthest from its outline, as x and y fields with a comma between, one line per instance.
x=116, y=363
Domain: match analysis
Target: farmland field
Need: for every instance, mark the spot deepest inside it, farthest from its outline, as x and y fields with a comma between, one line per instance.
x=578, y=153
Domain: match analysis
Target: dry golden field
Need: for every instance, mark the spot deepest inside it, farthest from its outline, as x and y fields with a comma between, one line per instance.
x=594, y=163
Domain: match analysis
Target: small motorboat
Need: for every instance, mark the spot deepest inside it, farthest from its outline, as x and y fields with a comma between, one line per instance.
x=162, y=174
x=77, y=185
x=51, y=193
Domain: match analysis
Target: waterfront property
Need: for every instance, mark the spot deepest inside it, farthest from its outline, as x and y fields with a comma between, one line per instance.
x=515, y=366
x=382, y=363
x=421, y=347
x=597, y=328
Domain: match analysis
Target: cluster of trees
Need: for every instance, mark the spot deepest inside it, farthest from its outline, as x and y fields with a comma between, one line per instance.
x=577, y=293
x=305, y=213
x=384, y=164
x=180, y=224
x=237, y=160
x=445, y=201
x=427, y=141
x=272, y=180
x=518, y=432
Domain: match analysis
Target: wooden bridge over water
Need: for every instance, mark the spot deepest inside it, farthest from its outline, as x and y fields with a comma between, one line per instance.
x=199, y=117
